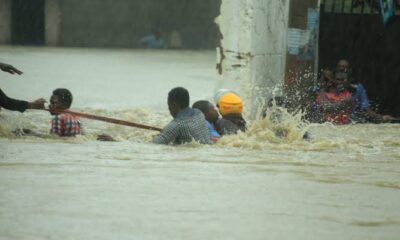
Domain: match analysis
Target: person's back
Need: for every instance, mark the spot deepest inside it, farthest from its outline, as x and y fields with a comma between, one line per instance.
x=188, y=124
x=231, y=124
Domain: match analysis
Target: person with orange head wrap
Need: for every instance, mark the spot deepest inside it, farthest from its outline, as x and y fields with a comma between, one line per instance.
x=230, y=106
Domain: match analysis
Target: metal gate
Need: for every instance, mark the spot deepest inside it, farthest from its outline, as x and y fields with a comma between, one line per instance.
x=354, y=30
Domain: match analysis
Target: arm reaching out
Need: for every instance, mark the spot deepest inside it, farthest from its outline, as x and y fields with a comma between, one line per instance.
x=9, y=68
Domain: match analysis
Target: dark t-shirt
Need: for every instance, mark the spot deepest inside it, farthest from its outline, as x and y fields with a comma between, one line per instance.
x=230, y=124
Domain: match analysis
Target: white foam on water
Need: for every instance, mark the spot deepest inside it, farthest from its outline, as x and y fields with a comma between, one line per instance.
x=265, y=183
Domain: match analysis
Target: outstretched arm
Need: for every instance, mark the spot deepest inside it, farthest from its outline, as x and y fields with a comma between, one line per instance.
x=19, y=105
x=12, y=104
x=9, y=68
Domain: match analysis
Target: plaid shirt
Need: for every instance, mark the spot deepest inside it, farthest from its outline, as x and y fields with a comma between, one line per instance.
x=66, y=125
x=189, y=124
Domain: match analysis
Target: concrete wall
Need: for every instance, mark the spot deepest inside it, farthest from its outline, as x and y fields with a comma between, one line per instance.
x=52, y=22
x=5, y=21
x=123, y=22
x=253, y=48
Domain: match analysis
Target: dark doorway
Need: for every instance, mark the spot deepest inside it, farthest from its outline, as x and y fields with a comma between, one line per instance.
x=28, y=22
x=356, y=32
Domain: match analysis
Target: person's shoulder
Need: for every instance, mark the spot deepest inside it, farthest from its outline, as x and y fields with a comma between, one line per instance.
x=67, y=116
x=64, y=115
x=360, y=87
x=197, y=112
x=224, y=122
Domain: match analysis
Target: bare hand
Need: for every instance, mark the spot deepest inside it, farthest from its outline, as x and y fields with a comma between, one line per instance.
x=10, y=69
x=105, y=138
x=37, y=104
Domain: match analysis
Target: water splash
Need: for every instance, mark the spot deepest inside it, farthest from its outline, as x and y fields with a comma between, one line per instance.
x=277, y=127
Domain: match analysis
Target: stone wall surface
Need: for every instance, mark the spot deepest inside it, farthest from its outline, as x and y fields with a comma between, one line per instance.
x=253, y=47
x=123, y=22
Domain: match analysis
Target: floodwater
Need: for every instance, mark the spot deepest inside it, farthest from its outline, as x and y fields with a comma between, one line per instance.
x=343, y=184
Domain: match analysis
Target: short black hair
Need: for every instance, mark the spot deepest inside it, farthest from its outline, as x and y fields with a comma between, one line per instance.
x=65, y=96
x=180, y=96
x=202, y=105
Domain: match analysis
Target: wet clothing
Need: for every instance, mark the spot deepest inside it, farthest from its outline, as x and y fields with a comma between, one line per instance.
x=360, y=104
x=188, y=125
x=335, y=106
x=230, y=124
x=12, y=104
x=66, y=125
x=211, y=129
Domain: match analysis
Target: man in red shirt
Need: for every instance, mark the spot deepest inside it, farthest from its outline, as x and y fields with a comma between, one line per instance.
x=336, y=102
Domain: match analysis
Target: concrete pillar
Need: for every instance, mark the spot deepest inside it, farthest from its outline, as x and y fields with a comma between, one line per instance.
x=52, y=22
x=5, y=21
x=252, y=54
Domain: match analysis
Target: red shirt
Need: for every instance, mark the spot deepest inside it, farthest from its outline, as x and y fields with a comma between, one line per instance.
x=66, y=125
x=340, y=116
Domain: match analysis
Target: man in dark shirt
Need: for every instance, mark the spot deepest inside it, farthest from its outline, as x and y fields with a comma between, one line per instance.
x=14, y=104
x=188, y=124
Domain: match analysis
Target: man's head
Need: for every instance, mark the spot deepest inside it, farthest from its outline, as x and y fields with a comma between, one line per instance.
x=343, y=66
x=229, y=103
x=327, y=78
x=208, y=110
x=341, y=81
x=178, y=99
x=61, y=99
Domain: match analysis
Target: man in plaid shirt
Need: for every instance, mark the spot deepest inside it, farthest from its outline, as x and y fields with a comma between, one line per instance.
x=188, y=124
x=64, y=124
